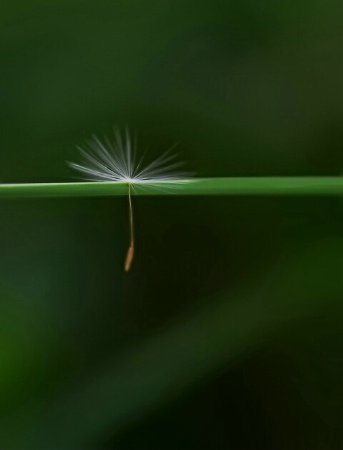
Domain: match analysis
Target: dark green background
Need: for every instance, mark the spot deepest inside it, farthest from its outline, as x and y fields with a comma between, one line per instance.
x=227, y=334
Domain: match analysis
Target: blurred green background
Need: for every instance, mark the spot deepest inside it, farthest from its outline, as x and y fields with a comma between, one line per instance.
x=227, y=334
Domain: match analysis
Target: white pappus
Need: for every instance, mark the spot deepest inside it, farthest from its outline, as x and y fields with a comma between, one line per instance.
x=116, y=161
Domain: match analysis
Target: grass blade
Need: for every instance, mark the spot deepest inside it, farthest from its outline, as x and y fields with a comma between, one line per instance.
x=197, y=186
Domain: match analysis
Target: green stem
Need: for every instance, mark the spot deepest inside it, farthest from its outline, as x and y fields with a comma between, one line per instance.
x=196, y=186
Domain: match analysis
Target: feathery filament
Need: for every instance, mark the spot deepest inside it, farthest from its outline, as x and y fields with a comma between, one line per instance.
x=115, y=161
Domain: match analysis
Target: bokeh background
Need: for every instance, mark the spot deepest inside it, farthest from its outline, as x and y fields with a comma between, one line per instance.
x=227, y=334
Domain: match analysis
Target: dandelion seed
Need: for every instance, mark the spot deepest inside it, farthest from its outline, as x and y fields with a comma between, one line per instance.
x=116, y=161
